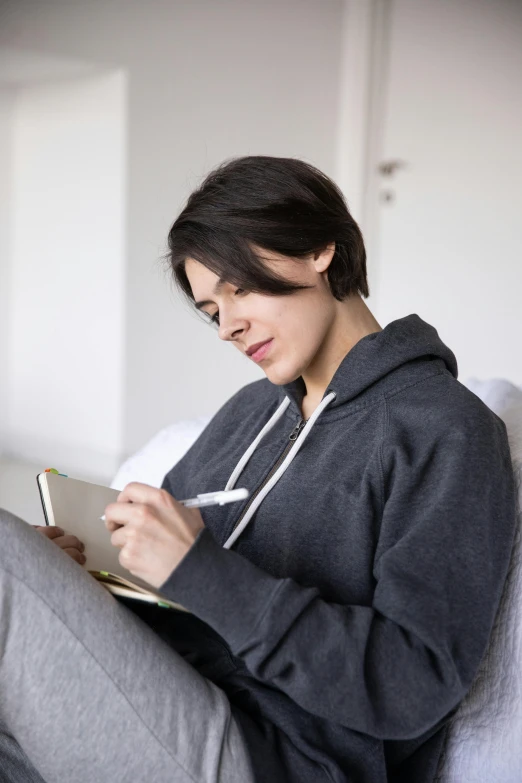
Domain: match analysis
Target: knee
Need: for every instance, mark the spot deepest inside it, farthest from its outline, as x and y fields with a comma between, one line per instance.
x=8, y=518
x=19, y=542
x=12, y=525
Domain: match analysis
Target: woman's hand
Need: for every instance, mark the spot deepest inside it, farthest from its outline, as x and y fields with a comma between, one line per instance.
x=154, y=531
x=71, y=545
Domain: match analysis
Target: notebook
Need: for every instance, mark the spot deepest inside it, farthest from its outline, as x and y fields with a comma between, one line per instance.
x=76, y=506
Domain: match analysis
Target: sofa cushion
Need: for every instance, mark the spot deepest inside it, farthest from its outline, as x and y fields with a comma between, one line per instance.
x=150, y=464
x=483, y=743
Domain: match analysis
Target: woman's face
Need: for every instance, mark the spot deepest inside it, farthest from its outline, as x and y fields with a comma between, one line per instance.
x=295, y=325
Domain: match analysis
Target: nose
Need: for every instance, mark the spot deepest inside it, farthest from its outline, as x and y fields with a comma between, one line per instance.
x=231, y=328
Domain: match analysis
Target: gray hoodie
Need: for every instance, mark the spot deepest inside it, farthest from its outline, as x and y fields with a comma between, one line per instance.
x=345, y=606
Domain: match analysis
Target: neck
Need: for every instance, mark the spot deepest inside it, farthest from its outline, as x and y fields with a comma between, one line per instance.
x=352, y=321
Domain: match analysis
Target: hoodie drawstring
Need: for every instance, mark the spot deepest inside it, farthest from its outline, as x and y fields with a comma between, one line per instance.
x=282, y=468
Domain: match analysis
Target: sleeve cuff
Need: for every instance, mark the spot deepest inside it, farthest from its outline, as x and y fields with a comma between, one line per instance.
x=222, y=588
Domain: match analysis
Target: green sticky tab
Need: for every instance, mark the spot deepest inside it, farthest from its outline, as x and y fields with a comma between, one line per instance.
x=160, y=603
x=53, y=470
x=104, y=573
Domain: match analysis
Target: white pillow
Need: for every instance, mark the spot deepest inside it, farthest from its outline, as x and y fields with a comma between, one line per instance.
x=483, y=743
x=150, y=464
x=497, y=393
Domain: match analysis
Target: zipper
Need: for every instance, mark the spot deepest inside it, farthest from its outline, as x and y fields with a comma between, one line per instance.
x=292, y=438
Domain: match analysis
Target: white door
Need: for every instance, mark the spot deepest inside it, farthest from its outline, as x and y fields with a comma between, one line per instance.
x=447, y=225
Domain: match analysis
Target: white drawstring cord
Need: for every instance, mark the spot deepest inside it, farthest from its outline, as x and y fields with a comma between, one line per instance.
x=279, y=472
x=231, y=483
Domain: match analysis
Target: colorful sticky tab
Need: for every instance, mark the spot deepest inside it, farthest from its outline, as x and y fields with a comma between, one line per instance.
x=53, y=470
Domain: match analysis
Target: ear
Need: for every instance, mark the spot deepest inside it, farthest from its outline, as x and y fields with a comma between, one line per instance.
x=323, y=258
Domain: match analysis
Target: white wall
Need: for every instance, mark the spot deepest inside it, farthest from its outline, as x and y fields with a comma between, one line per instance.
x=450, y=240
x=67, y=282
x=206, y=81
x=7, y=97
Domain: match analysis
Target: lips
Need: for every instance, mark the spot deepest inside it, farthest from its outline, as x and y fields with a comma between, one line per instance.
x=253, y=348
x=258, y=351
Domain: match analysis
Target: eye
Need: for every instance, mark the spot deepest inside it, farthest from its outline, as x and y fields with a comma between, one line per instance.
x=214, y=319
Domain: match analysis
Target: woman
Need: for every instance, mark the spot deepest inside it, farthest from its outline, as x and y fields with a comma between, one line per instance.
x=339, y=615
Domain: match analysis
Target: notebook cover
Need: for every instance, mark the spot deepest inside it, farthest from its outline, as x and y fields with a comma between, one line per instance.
x=76, y=507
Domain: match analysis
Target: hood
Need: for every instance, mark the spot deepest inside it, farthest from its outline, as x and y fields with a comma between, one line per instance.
x=375, y=357
x=372, y=366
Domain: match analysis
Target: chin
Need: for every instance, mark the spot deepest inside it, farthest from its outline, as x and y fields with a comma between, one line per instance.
x=279, y=376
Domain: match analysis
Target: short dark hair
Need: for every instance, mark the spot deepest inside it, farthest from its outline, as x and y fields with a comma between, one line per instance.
x=283, y=205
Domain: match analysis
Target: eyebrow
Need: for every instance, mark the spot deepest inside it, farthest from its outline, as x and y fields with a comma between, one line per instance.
x=217, y=288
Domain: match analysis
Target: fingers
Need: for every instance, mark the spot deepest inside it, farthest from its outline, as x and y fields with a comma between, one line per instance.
x=60, y=537
x=75, y=554
x=70, y=544
x=136, y=492
x=121, y=513
x=49, y=531
x=136, y=502
x=119, y=537
x=111, y=525
x=69, y=541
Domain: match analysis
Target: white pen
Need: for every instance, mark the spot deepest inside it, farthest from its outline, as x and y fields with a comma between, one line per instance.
x=212, y=498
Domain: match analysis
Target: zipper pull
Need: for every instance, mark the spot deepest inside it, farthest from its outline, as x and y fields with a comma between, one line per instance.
x=297, y=429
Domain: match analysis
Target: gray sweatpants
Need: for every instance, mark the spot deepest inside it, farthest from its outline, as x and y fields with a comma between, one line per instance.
x=88, y=692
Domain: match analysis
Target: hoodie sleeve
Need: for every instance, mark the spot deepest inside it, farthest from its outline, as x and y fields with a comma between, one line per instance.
x=394, y=669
